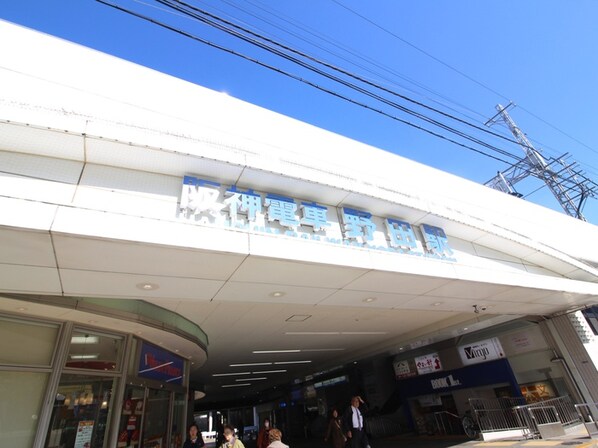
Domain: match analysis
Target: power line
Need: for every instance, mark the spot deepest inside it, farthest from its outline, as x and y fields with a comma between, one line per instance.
x=406, y=42
x=296, y=77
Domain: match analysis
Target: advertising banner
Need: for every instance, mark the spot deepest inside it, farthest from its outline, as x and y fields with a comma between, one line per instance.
x=481, y=351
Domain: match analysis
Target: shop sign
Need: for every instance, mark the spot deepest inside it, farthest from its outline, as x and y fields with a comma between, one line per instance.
x=481, y=351
x=84, y=433
x=479, y=375
x=404, y=368
x=445, y=382
x=426, y=401
x=210, y=203
x=537, y=392
x=428, y=363
x=158, y=364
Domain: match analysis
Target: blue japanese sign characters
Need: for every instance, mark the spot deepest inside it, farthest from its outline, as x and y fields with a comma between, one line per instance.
x=211, y=203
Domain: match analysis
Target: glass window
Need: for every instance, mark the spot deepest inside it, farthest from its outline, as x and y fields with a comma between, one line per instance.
x=178, y=431
x=80, y=413
x=22, y=395
x=26, y=343
x=130, y=417
x=95, y=351
x=155, y=423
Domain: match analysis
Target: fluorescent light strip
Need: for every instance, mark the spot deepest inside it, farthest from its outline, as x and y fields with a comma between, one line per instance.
x=85, y=340
x=251, y=364
x=231, y=374
x=299, y=350
x=332, y=333
x=262, y=372
x=90, y=356
x=279, y=363
x=236, y=385
x=275, y=351
x=253, y=379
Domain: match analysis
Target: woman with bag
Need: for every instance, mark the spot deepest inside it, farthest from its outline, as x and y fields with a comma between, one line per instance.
x=334, y=434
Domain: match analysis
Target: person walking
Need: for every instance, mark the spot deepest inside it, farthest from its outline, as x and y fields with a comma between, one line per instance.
x=275, y=437
x=195, y=440
x=334, y=433
x=231, y=441
x=353, y=423
x=263, y=439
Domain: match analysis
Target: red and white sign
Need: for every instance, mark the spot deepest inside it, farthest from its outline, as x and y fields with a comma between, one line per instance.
x=428, y=363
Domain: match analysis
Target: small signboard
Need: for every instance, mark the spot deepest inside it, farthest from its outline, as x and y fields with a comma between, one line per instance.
x=158, y=364
x=84, y=433
x=428, y=363
x=481, y=351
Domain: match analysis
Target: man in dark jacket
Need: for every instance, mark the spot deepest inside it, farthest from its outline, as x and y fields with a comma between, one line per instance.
x=353, y=423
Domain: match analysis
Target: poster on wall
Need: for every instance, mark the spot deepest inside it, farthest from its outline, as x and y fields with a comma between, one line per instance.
x=428, y=363
x=537, y=392
x=404, y=368
x=481, y=351
x=84, y=432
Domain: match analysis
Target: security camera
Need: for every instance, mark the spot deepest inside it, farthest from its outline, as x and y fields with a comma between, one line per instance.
x=477, y=309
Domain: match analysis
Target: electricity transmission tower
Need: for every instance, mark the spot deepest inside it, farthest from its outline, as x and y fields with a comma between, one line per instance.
x=566, y=181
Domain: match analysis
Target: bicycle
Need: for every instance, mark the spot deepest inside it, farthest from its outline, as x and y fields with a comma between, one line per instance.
x=470, y=425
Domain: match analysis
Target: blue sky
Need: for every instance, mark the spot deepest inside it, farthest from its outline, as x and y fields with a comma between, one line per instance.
x=538, y=53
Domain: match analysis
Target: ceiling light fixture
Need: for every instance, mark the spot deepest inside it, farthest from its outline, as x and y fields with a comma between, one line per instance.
x=89, y=356
x=87, y=339
x=231, y=374
x=259, y=378
x=276, y=351
x=279, y=363
x=148, y=286
x=21, y=308
x=236, y=385
x=370, y=299
x=246, y=364
x=437, y=303
x=277, y=293
x=263, y=372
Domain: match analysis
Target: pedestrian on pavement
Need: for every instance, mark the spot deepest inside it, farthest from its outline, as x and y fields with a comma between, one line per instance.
x=263, y=440
x=353, y=423
x=231, y=440
x=275, y=437
x=195, y=440
x=335, y=433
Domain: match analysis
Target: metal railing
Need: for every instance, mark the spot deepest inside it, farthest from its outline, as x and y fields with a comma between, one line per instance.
x=588, y=414
x=447, y=423
x=383, y=425
x=512, y=414
x=554, y=410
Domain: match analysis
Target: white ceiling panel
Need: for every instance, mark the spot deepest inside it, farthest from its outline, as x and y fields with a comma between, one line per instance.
x=504, y=245
x=107, y=152
x=433, y=303
x=26, y=214
x=27, y=139
x=518, y=295
x=267, y=270
x=109, y=284
x=26, y=247
x=29, y=279
x=366, y=300
x=263, y=292
x=549, y=262
x=565, y=299
x=38, y=167
x=468, y=290
x=389, y=282
x=137, y=258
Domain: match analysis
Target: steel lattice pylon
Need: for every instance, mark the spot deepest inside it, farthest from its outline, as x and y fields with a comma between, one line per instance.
x=566, y=181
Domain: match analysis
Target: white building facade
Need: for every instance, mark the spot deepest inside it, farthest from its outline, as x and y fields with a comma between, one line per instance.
x=146, y=222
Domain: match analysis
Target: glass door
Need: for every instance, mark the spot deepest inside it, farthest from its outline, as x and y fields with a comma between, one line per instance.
x=155, y=424
x=131, y=417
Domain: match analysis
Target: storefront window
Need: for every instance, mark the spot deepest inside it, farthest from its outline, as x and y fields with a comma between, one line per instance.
x=80, y=413
x=155, y=425
x=94, y=351
x=131, y=416
x=26, y=343
x=22, y=395
x=178, y=432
